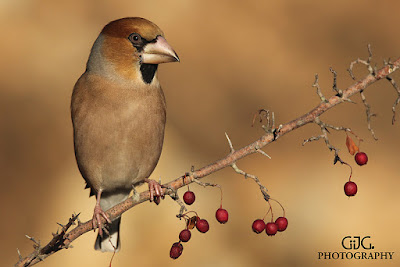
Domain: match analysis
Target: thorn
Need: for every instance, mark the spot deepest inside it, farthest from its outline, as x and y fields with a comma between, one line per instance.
x=336, y=159
x=230, y=143
x=262, y=152
x=326, y=129
x=40, y=257
x=349, y=100
x=59, y=224
x=19, y=255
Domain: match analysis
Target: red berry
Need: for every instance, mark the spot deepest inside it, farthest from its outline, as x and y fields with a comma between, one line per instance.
x=185, y=235
x=271, y=228
x=361, y=158
x=202, y=225
x=350, y=188
x=176, y=250
x=282, y=223
x=189, y=197
x=258, y=226
x=221, y=215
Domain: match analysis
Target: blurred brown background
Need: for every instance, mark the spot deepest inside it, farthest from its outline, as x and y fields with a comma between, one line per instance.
x=236, y=57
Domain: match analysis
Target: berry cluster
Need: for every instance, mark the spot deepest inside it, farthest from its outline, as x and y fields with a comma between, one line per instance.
x=184, y=236
x=361, y=158
x=195, y=221
x=272, y=227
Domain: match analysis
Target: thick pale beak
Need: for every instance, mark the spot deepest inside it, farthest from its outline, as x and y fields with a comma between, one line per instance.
x=159, y=52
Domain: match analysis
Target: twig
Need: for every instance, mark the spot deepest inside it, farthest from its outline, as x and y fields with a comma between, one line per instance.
x=230, y=143
x=176, y=198
x=319, y=92
x=324, y=134
x=369, y=114
x=269, y=116
x=394, y=84
x=246, y=175
x=367, y=63
x=334, y=87
x=372, y=71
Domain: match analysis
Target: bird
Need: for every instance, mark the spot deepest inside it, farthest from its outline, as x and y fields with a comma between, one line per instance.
x=118, y=113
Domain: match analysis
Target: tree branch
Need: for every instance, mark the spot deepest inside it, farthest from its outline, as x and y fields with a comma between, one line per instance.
x=63, y=240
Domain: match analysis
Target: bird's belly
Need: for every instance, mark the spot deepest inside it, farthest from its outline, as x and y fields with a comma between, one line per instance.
x=119, y=148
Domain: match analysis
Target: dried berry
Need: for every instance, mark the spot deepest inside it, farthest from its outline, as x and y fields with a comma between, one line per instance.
x=176, y=250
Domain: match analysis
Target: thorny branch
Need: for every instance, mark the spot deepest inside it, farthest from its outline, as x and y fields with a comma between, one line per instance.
x=64, y=239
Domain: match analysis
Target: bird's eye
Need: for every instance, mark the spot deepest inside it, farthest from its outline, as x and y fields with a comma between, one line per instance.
x=135, y=38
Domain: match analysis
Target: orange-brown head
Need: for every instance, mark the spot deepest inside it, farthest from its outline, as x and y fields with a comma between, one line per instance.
x=129, y=48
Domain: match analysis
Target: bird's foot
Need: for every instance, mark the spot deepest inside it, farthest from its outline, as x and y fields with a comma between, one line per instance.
x=156, y=192
x=96, y=221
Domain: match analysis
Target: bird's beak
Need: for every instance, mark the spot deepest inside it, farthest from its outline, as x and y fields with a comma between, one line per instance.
x=159, y=52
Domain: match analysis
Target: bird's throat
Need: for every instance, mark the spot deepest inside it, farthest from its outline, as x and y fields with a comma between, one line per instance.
x=148, y=71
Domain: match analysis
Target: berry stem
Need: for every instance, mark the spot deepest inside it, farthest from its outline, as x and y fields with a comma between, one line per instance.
x=266, y=213
x=185, y=214
x=272, y=213
x=351, y=170
x=270, y=209
x=342, y=162
x=220, y=188
x=279, y=205
x=356, y=136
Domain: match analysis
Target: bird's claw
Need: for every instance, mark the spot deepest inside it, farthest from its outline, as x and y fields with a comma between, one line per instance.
x=156, y=192
x=96, y=221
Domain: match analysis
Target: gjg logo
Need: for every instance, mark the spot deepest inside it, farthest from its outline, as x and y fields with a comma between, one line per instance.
x=355, y=242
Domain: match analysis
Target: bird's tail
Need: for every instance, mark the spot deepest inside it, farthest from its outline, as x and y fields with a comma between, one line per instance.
x=110, y=241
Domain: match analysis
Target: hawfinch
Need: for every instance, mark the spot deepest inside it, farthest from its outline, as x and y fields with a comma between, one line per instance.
x=118, y=116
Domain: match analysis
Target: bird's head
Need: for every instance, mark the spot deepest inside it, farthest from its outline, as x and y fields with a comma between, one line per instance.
x=130, y=47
